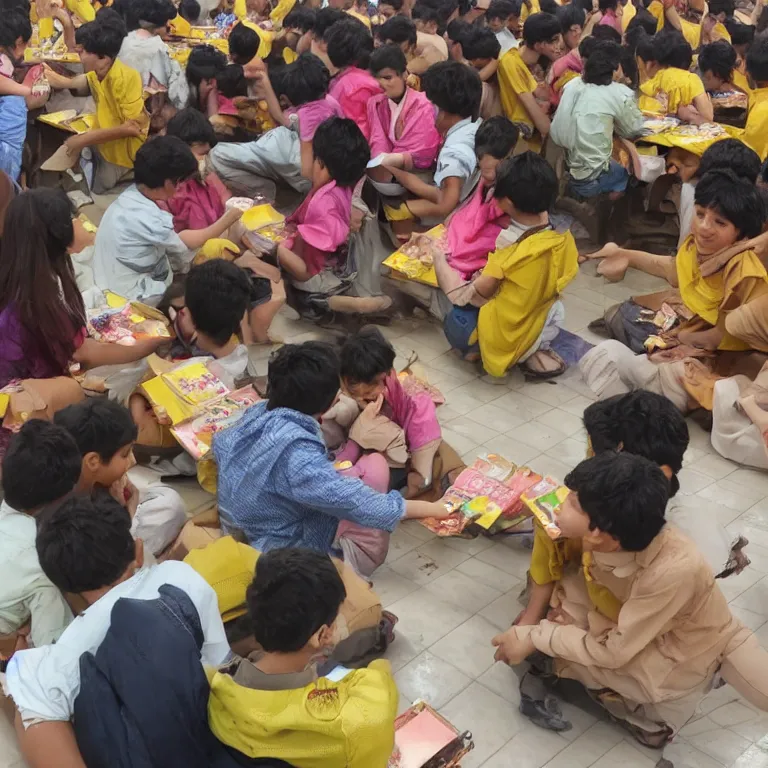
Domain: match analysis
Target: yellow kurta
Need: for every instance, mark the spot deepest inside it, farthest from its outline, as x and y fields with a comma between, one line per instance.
x=533, y=273
x=179, y=26
x=265, y=39
x=756, y=130
x=514, y=78
x=668, y=90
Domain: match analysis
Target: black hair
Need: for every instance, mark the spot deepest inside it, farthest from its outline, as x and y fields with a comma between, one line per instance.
x=398, y=30
x=549, y=6
x=502, y=9
x=231, y=81
x=349, y=44
x=757, y=60
x=305, y=80
x=204, y=63
x=741, y=34
x=722, y=6
x=85, y=543
x=340, y=146
x=642, y=23
x=105, y=16
x=326, y=18
x=190, y=10
x=570, y=15
x=154, y=13
x=528, y=181
x=294, y=593
x=587, y=45
x=458, y=31
x=641, y=423
x=540, y=28
x=425, y=12
x=42, y=465
x=103, y=39
x=719, y=58
x=396, y=4
x=481, y=43
x=161, y=159
x=217, y=294
x=454, y=88
x=14, y=25
x=605, y=33
x=644, y=48
x=301, y=18
x=366, y=355
x=192, y=127
x=604, y=60
x=243, y=43
x=388, y=57
x=303, y=377
x=671, y=49
x=98, y=425
x=127, y=10
x=16, y=6
x=497, y=137
x=623, y=495
x=629, y=67
x=604, y=5
x=734, y=198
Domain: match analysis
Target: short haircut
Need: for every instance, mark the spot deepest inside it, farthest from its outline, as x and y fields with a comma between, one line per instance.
x=366, y=355
x=549, y=6
x=325, y=18
x=204, y=63
x=605, y=33
x=741, y=34
x=243, y=43
x=642, y=423
x=192, y=127
x=231, y=81
x=528, y=181
x=540, y=28
x=570, y=15
x=85, y=543
x=497, y=137
x=502, y=9
x=624, y=495
x=481, y=43
x=731, y=154
x=629, y=67
x=98, y=425
x=294, y=593
x=396, y=5
x=190, y=10
x=454, y=88
x=605, y=5
x=642, y=23
x=719, y=58
x=388, y=57
x=305, y=80
x=757, y=60
x=349, y=43
x=602, y=62
x=161, y=159
x=425, y=12
x=587, y=45
x=42, y=465
x=722, y=6
x=734, y=198
x=340, y=146
x=14, y=25
x=217, y=294
x=398, y=30
x=103, y=39
x=303, y=377
x=300, y=18
x=671, y=49
x=154, y=13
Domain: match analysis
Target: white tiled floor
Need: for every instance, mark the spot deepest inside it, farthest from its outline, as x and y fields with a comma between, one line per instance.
x=453, y=596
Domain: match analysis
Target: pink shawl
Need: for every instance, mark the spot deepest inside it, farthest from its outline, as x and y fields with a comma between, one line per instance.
x=353, y=88
x=414, y=414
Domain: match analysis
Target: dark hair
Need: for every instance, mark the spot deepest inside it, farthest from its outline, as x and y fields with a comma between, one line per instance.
x=721, y=6
x=326, y=18
x=42, y=465
x=481, y=43
x=243, y=43
x=605, y=33
x=604, y=60
x=497, y=137
x=349, y=44
x=549, y=6
x=303, y=377
x=98, y=425
x=425, y=12
x=396, y=4
x=540, y=28
x=644, y=47
x=587, y=45
x=641, y=423
x=204, y=63
x=642, y=24
x=103, y=39
x=217, y=294
x=105, y=16
x=294, y=593
x=502, y=9
x=605, y=5
x=231, y=81
x=388, y=57
x=154, y=13
x=365, y=355
x=398, y=30
x=629, y=67
x=161, y=159
x=734, y=198
x=623, y=495
x=14, y=25
x=570, y=15
x=741, y=34
x=731, y=154
x=190, y=10
x=757, y=60
x=127, y=10
x=671, y=49
x=305, y=80
x=340, y=146
x=454, y=88
x=85, y=543
x=192, y=127
x=301, y=18
x=719, y=58
x=528, y=182
x=37, y=278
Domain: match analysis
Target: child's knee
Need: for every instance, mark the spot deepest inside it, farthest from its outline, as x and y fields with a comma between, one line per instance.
x=373, y=470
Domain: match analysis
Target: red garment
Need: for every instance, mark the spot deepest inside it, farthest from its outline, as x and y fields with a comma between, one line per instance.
x=196, y=205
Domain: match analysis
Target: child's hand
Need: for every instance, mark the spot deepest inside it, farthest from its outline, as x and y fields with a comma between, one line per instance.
x=232, y=216
x=133, y=128
x=74, y=145
x=55, y=79
x=511, y=649
x=373, y=408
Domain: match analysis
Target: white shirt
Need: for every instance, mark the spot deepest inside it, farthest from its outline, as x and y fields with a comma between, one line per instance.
x=506, y=40
x=44, y=682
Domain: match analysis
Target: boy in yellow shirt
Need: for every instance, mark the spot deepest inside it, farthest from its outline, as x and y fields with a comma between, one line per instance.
x=122, y=122
x=756, y=130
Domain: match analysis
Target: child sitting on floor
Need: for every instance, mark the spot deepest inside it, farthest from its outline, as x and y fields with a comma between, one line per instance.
x=41, y=467
x=503, y=18
x=86, y=549
x=481, y=51
x=204, y=63
x=756, y=130
x=344, y=718
x=105, y=435
x=276, y=483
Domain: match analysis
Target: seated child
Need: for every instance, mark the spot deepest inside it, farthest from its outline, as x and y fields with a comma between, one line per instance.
x=756, y=130
x=204, y=63
x=187, y=17
x=86, y=549
x=137, y=250
x=229, y=120
x=105, y=435
x=717, y=62
x=572, y=20
x=295, y=37
x=481, y=50
x=515, y=311
x=570, y=66
x=294, y=603
x=612, y=11
x=650, y=665
x=27, y=597
x=503, y=18
x=121, y=120
x=388, y=10
x=420, y=55
x=592, y=110
x=427, y=19
x=276, y=483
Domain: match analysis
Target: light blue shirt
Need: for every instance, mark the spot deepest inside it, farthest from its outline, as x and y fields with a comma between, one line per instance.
x=457, y=157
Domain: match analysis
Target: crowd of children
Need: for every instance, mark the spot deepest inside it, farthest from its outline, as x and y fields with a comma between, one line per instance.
x=473, y=140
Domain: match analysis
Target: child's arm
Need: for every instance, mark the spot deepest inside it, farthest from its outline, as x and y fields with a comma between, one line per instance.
x=538, y=604
x=485, y=287
x=195, y=238
x=9, y=87
x=130, y=128
x=292, y=262
x=68, y=27
x=704, y=107
x=418, y=510
x=78, y=83
x=94, y=353
x=263, y=90
x=489, y=70
x=49, y=743
x=434, y=201
x=540, y=120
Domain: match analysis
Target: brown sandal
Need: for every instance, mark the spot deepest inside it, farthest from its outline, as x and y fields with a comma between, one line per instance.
x=539, y=365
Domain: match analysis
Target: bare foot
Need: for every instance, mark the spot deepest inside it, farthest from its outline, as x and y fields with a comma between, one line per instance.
x=367, y=305
x=608, y=251
x=613, y=269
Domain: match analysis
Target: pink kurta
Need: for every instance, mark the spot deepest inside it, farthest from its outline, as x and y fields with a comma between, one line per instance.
x=414, y=414
x=353, y=88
